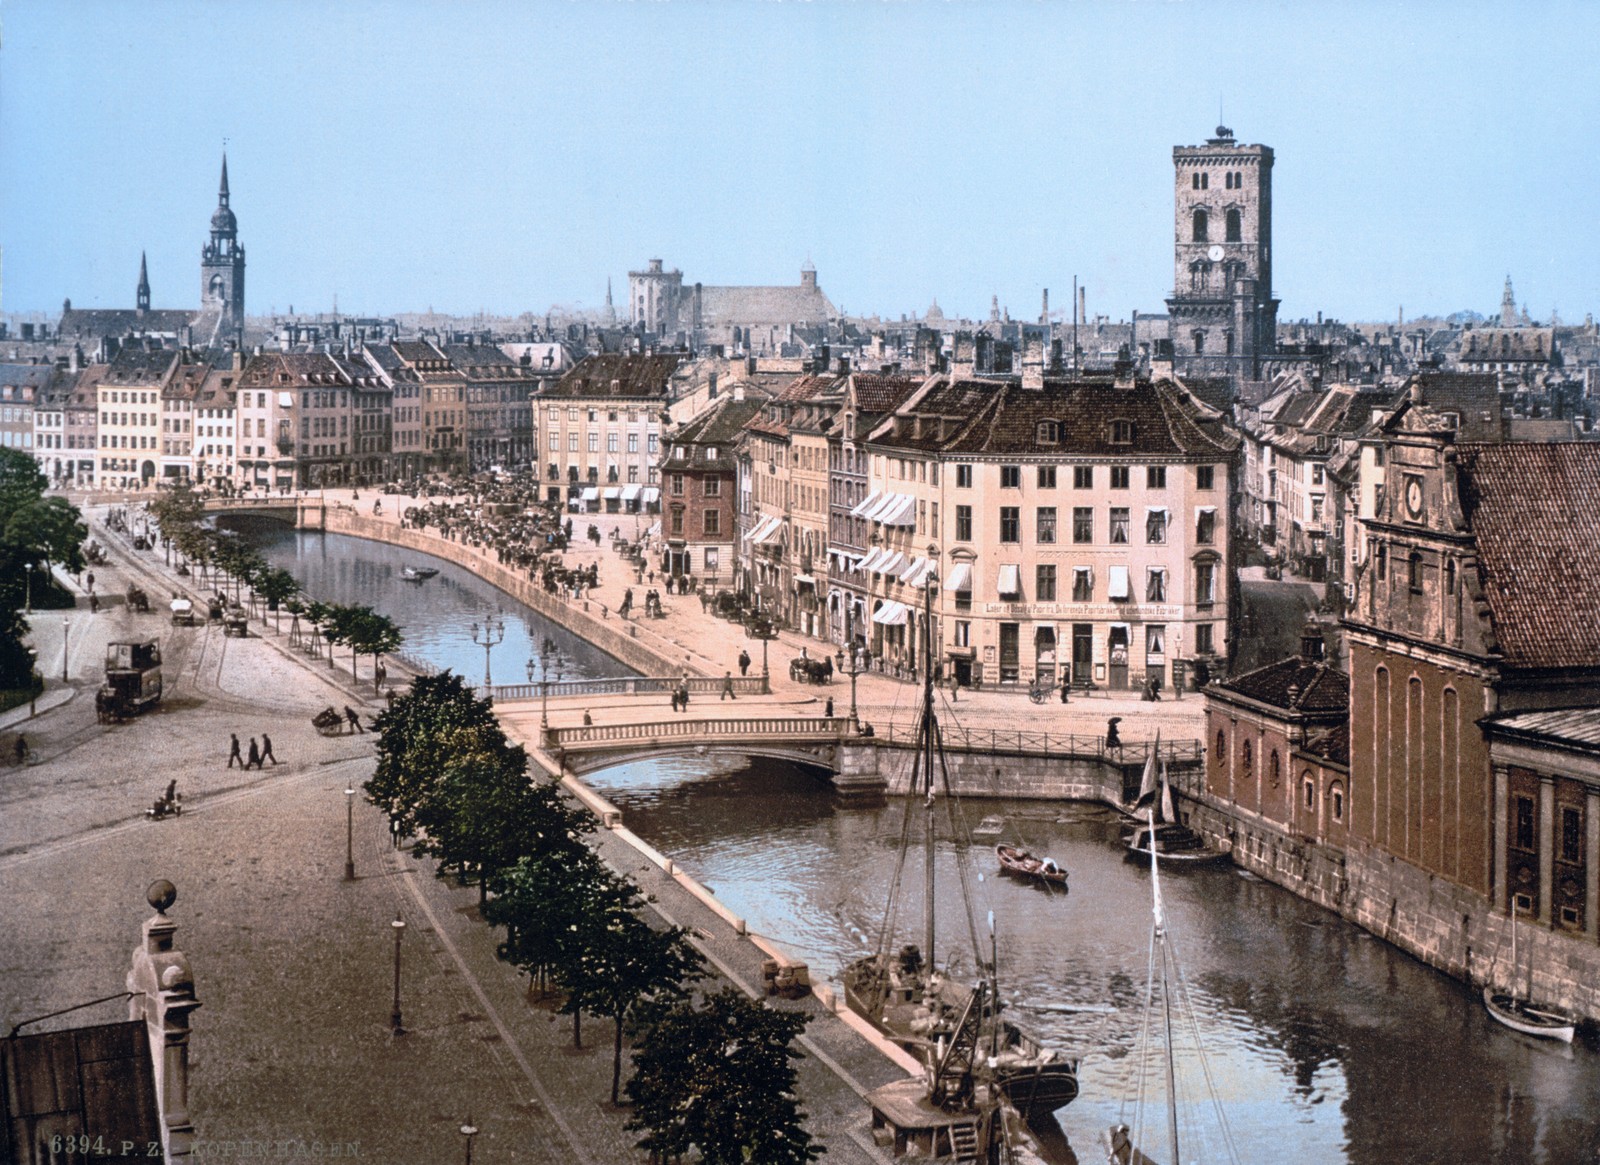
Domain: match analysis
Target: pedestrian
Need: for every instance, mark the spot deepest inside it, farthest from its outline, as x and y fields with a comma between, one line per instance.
x=744, y=662
x=1113, y=737
x=675, y=700
x=233, y=752
x=587, y=719
x=827, y=709
x=727, y=688
x=683, y=695
x=254, y=761
x=353, y=718
x=89, y=578
x=266, y=751
x=21, y=749
x=382, y=674
x=1066, y=683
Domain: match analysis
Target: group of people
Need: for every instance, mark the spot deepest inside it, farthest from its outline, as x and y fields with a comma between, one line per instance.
x=258, y=755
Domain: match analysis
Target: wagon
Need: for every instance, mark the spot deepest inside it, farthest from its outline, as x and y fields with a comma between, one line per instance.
x=183, y=612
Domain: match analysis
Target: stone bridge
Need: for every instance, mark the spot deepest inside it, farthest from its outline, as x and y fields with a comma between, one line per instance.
x=306, y=513
x=812, y=741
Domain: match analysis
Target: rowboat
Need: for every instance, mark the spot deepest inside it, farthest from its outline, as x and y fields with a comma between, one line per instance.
x=417, y=573
x=1527, y=1018
x=1019, y=863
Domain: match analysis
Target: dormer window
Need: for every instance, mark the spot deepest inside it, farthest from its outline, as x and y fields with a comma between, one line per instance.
x=711, y=452
x=1049, y=433
x=1121, y=432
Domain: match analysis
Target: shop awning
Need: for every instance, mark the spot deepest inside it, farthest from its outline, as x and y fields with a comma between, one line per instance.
x=918, y=573
x=859, y=510
x=804, y=580
x=629, y=492
x=764, y=530
x=612, y=493
x=651, y=494
x=892, y=564
x=960, y=577
x=1010, y=579
x=870, y=561
x=901, y=511
x=891, y=614
x=591, y=493
x=1118, y=582
x=654, y=531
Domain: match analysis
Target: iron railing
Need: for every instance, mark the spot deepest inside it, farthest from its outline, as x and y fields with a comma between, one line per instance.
x=631, y=686
x=733, y=727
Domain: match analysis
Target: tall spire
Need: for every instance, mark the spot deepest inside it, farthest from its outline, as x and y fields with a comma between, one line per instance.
x=142, y=296
x=222, y=192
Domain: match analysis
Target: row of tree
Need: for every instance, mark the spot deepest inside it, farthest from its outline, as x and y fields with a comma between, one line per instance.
x=36, y=532
x=715, y=1073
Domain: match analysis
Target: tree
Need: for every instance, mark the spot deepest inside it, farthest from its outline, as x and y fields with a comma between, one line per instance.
x=721, y=1077
x=413, y=736
x=540, y=901
x=369, y=633
x=35, y=531
x=277, y=586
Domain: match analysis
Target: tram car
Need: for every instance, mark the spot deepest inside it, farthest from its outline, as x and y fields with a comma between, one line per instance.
x=133, y=679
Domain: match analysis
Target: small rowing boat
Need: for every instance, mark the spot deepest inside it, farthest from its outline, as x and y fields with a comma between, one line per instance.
x=1019, y=863
x=417, y=573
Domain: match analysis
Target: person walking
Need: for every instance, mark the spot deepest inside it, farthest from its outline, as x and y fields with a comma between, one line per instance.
x=21, y=750
x=727, y=688
x=353, y=718
x=827, y=709
x=1066, y=684
x=1113, y=737
x=233, y=752
x=254, y=760
x=266, y=751
x=587, y=719
x=744, y=662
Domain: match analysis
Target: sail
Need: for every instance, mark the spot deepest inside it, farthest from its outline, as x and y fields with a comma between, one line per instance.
x=1147, y=783
x=1168, y=811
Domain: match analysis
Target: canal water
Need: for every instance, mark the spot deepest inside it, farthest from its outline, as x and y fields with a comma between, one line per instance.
x=1323, y=1044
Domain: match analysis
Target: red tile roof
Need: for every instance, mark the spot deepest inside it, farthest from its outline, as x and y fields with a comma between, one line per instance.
x=1535, y=512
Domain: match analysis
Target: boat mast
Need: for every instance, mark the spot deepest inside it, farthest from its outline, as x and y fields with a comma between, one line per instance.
x=925, y=740
x=1166, y=993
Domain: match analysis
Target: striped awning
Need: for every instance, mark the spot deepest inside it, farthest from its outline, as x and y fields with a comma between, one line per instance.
x=892, y=564
x=918, y=573
x=629, y=492
x=890, y=614
x=860, y=509
x=960, y=577
x=764, y=530
x=591, y=493
x=900, y=511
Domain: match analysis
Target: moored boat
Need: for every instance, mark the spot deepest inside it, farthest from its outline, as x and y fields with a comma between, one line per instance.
x=1019, y=863
x=417, y=573
x=1164, y=831
x=1518, y=1013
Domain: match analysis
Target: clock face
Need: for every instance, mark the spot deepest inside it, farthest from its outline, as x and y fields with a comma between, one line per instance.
x=1414, y=497
x=1215, y=254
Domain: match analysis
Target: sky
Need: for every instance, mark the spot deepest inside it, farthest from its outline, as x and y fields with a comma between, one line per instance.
x=507, y=157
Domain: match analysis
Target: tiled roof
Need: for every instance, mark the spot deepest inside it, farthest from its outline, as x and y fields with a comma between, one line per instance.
x=1535, y=512
x=138, y=365
x=116, y=322
x=1570, y=726
x=616, y=376
x=760, y=305
x=1320, y=688
x=1504, y=345
x=876, y=393
x=267, y=370
x=34, y=376
x=1473, y=396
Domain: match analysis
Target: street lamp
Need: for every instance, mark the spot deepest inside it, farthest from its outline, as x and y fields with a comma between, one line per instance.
x=469, y=1130
x=850, y=648
x=66, y=628
x=549, y=657
x=27, y=603
x=349, y=834
x=399, y=925
x=494, y=630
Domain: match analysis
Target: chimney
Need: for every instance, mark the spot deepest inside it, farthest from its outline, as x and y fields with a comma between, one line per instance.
x=1122, y=372
x=844, y=365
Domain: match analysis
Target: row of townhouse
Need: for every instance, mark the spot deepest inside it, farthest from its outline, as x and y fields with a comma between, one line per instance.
x=1060, y=530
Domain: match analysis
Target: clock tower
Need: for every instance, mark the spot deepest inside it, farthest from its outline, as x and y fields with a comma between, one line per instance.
x=1222, y=314
x=222, y=263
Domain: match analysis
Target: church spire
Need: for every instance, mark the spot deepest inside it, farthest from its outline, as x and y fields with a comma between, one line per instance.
x=222, y=192
x=142, y=296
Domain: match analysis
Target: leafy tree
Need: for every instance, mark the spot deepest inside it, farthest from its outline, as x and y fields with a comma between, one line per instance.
x=369, y=633
x=540, y=901
x=179, y=512
x=720, y=1076
x=277, y=586
x=35, y=531
x=414, y=734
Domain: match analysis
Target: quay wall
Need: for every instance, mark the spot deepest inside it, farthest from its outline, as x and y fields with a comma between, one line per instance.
x=1445, y=925
x=608, y=634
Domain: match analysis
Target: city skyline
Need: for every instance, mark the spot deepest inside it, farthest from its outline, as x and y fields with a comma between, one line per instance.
x=399, y=159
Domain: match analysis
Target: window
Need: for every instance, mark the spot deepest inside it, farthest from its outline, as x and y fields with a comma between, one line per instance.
x=1011, y=523
x=1155, y=585
x=1122, y=432
x=1048, y=433
x=1233, y=227
x=1155, y=641
x=1082, y=524
x=1155, y=527
x=677, y=522
x=651, y=443
x=1047, y=523
x=963, y=523
x=594, y=415
x=1047, y=477
x=712, y=487
x=1121, y=475
x=677, y=485
x=1199, y=341
x=1246, y=757
x=1045, y=583
x=1155, y=477
x=963, y=477
x=1273, y=769
x=1571, y=834
x=1205, y=477
x=712, y=522
x=1205, y=583
x=677, y=452
x=1383, y=561
x=572, y=442
x=1414, y=572
x=1119, y=524
x=611, y=443
x=1011, y=477
x=1450, y=576
x=1199, y=223
x=963, y=633
x=1524, y=838
x=1083, y=477
x=633, y=442
x=1310, y=793
x=1082, y=584
x=1222, y=747
x=1317, y=473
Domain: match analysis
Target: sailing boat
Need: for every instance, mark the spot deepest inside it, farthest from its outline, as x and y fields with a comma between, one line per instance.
x=955, y=1027
x=1517, y=1013
x=1119, y=1139
x=1166, y=832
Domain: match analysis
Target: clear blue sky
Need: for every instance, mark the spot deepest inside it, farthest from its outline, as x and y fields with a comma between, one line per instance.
x=508, y=156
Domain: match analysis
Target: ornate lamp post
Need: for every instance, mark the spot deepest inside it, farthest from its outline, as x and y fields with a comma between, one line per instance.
x=469, y=1131
x=494, y=630
x=399, y=925
x=549, y=659
x=66, y=630
x=850, y=650
x=349, y=834
x=27, y=603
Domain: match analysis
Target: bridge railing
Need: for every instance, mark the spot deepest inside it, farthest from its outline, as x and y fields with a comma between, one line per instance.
x=964, y=739
x=747, y=727
x=630, y=686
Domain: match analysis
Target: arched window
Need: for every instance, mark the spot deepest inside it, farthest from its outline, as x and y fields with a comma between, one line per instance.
x=1227, y=338
x=1383, y=561
x=1273, y=768
x=1414, y=572
x=1233, y=226
x=1199, y=338
x=1205, y=181
x=1194, y=181
x=1222, y=747
x=1450, y=576
x=1200, y=225
x=1336, y=799
x=1309, y=784
x=1245, y=758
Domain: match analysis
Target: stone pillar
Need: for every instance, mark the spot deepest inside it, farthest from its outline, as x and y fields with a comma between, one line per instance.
x=1547, y=844
x=1501, y=838
x=1591, y=861
x=164, y=997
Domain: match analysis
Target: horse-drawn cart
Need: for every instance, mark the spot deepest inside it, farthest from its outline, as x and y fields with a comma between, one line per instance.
x=328, y=722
